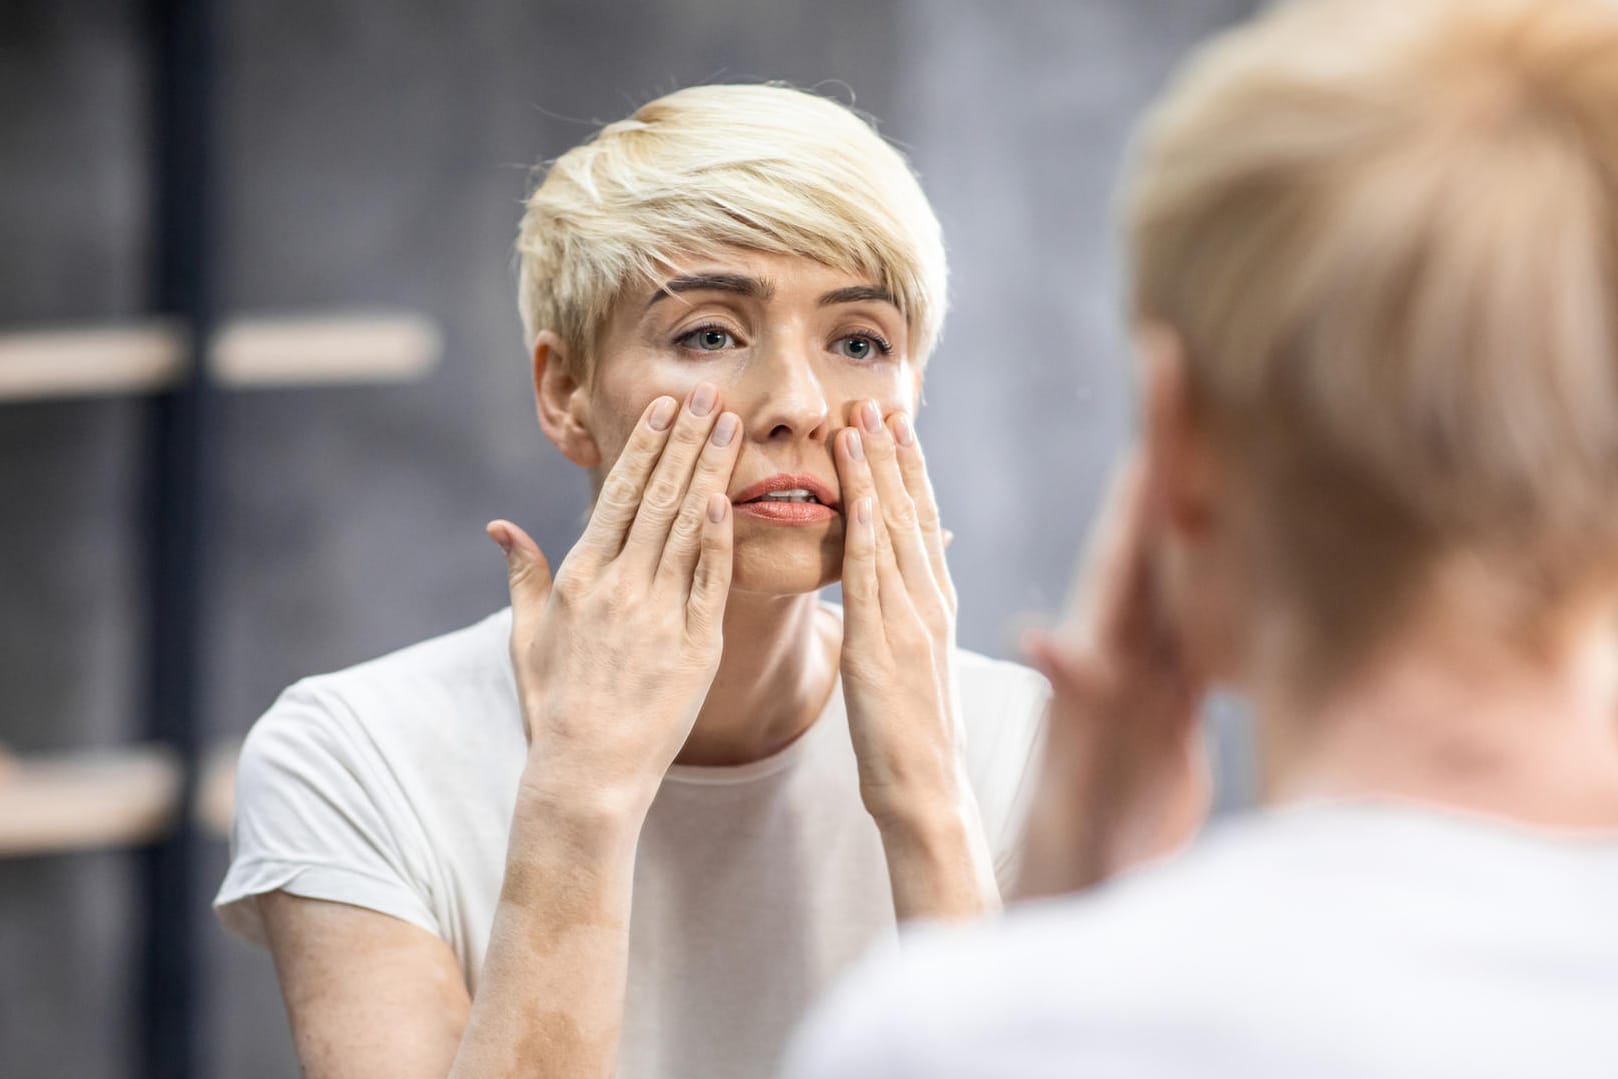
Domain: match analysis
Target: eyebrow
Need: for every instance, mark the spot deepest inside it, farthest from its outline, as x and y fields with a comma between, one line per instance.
x=740, y=284
x=858, y=294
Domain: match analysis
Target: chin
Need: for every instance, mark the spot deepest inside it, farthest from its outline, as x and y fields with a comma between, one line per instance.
x=783, y=561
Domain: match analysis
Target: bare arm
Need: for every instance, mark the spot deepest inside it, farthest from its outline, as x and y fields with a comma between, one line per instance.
x=368, y=996
x=646, y=588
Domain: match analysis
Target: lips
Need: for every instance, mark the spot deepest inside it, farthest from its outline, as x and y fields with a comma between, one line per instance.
x=788, y=498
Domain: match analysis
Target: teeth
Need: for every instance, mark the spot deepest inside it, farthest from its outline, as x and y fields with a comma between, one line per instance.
x=796, y=494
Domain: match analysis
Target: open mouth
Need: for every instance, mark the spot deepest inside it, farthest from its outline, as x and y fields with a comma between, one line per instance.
x=795, y=494
x=788, y=498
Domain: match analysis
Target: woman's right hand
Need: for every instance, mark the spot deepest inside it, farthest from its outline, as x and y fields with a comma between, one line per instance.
x=614, y=657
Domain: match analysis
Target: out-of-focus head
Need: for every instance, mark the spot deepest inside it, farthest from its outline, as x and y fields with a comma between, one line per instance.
x=765, y=168
x=1375, y=245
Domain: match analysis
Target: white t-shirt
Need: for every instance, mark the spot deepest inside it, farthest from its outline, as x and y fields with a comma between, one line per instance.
x=391, y=786
x=1342, y=941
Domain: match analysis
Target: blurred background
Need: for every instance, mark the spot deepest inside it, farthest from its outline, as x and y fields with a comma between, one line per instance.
x=362, y=156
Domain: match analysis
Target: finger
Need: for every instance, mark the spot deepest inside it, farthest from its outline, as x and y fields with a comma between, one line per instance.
x=854, y=481
x=1052, y=657
x=665, y=490
x=862, y=611
x=528, y=574
x=621, y=492
x=710, y=582
x=913, y=469
x=1110, y=601
x=712, y=476
x=894, y=505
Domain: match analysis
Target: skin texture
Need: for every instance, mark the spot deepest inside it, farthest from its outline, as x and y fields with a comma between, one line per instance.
x=1173, y=601
x=702, y=623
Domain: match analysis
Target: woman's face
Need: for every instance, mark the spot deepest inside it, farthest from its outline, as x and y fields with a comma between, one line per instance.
x=792, y=346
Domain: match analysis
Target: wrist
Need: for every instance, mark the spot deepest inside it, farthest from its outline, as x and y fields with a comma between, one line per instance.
x=924, y=818
x=564, y=798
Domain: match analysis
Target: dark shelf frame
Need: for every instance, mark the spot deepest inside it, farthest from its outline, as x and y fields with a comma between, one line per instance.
x=178, y=498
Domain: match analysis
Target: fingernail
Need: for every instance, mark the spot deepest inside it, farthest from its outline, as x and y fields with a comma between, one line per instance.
x=703, y=398
x=902, y=430
x=871, y=417
x=662, y=414
x=856, y=446
x=717, y=504
x=502, y=538
x=725, y=429
x=862, y=511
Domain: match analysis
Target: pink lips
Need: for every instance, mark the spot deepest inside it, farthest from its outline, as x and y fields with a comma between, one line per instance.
x=790, y=513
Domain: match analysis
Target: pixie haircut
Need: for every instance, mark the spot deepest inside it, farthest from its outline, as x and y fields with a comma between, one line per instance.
x=762, y=167
x=1387, y=231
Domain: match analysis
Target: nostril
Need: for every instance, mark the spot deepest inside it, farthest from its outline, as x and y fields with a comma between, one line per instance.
x=781, y=430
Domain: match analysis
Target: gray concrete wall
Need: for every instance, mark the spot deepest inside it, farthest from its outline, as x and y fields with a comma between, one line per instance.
x=374, y=154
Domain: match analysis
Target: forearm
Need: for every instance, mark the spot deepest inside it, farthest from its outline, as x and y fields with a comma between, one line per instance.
x=939, y=864
x=551, y=996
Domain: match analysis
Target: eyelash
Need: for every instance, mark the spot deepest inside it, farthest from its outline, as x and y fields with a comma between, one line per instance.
x=881, y=343
x=706, y=327
x=872, y=336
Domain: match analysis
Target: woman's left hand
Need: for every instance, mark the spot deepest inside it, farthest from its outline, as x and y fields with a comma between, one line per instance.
x=898, y=677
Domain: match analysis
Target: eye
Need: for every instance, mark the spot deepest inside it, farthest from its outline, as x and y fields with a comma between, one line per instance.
x=859, y=346
x=706, y=339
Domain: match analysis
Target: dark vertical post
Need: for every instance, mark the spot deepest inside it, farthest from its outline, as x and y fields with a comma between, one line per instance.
x=177, y=496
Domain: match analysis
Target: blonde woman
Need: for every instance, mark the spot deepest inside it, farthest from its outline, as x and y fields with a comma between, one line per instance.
x=1375, y=270
x=636, y=823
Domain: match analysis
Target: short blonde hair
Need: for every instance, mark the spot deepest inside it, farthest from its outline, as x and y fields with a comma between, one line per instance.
x=762, y=167
x=1388, y=232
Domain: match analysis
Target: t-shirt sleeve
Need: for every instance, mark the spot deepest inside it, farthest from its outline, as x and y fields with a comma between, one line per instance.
x=319, y=815
x=1015, y=771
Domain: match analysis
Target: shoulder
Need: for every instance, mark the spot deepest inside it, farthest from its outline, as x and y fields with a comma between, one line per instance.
x=468, y=668
x=1002, y=711
x=432, y=707
x=1052, y=983
x=997, y=690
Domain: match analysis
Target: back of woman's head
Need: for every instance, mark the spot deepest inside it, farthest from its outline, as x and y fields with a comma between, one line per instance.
x=1387, y=233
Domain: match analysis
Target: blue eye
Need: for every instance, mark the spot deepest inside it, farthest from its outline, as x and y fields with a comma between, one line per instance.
x=707, y=339
x=860, y=347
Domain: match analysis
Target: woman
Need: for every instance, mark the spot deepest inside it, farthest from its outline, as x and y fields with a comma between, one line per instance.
x=640, y=820
x=1375, y=278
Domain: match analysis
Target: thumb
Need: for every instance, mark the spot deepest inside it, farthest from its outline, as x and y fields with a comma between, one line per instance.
x=527, y=573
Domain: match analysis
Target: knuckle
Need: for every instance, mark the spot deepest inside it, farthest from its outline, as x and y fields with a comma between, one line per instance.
x=901, y=515
x=567, y=590
x=692, y=429
x=687, y=526
x=618, y=492
x=662, y=495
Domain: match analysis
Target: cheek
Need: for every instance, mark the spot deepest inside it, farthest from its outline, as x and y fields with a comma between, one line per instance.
x=892, y=386
x=623, y=392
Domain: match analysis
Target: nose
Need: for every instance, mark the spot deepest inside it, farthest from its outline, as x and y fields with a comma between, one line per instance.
x=782, y=398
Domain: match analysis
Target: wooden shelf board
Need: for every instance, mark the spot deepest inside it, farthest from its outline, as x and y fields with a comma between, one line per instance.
x=86, y=800
x=143, y=358
x=216, y=790
x=150, y=357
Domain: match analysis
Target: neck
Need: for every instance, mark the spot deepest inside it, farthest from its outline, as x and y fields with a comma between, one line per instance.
x=1444, y=718
x=774, y=678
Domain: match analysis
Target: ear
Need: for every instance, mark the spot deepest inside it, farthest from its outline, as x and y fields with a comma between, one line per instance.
x=561, y=400
x=1180, y=457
